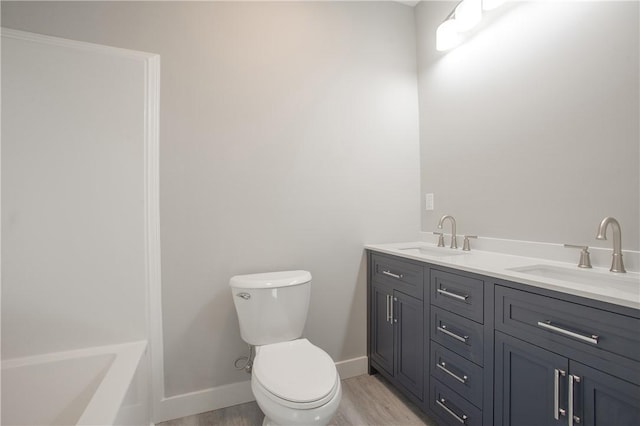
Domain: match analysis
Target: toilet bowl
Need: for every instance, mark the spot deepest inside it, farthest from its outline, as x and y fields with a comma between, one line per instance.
x=293, y=381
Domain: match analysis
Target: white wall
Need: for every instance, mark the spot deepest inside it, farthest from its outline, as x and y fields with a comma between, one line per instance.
x=73, y=197
x=529, y=130
x=289, y=138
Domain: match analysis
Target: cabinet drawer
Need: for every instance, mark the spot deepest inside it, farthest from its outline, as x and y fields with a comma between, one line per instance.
x=457, y=293
x=458, y=373
x=451, y=407
x=404, y=276
x=458, y=334
x=525, y=314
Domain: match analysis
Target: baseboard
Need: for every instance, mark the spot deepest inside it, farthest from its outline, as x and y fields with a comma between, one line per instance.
x=210, y=399
x=352, y=367
x=204, y=400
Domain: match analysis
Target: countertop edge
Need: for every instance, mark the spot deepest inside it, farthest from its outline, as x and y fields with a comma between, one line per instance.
x=501, y=272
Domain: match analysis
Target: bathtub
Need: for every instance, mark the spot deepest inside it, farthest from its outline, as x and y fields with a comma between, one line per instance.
x=94, y=386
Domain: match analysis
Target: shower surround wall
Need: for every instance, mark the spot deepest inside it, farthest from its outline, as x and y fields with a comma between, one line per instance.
x=74, y=193
x=79, y=221
x=288, y=139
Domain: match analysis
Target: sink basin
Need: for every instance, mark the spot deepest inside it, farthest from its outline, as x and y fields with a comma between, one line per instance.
x=582, y=276
x=433, y=251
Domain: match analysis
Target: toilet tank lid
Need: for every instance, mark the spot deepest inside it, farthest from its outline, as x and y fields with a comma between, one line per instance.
x=270, y=279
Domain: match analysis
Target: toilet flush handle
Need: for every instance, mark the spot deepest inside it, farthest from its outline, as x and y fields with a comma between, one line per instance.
x=245, y=296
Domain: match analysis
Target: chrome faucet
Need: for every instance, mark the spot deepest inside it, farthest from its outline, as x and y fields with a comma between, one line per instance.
x=616, y=262
x=454, y=238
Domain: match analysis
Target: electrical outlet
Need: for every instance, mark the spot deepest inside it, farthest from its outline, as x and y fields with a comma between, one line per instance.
x=428, y=201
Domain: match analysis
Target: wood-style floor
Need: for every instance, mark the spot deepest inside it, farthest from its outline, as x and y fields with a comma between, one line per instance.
x=366, y=400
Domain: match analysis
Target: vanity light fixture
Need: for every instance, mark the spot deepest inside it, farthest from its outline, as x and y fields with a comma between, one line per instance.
x=464, y=17
x=491, y=4
x=468, y=14
x=447, y=35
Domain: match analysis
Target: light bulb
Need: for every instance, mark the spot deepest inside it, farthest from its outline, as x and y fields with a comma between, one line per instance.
x=447, y=36
x=491, y=4
x=468, y=14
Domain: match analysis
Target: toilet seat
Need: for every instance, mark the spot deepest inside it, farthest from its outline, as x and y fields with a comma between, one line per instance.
x=296, y=374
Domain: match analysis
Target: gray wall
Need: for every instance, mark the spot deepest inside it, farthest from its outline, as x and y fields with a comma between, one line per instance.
x=529, y=130
x=288, y=139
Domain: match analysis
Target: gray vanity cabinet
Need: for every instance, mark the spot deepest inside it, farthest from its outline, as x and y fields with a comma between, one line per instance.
x=409, y=365
x=475, y=350
x=396, y=324
x=381, y=328
x=545, y=380
x=525, y=384
x=538, y=387
x=602, y=399
x=457, y=361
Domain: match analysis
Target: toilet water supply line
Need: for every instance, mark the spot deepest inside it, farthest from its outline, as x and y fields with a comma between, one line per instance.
x=248, y=361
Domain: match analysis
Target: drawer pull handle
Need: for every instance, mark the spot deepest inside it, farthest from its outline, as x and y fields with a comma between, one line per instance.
x=443, y=366
x=557, y=411
x=391, y=274
x=462, y=419
x=593, y=339
x=443, y=328
x=444, y=292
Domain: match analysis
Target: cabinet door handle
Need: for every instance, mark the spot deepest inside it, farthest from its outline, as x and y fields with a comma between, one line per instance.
x=593, y=339
x=391, y=274
x=445, y=292
x=573, y=379
x=388, y=308
x=443, y=328
x=462, y=419
x=393, y=318
x=443, y=366
x=557, y=411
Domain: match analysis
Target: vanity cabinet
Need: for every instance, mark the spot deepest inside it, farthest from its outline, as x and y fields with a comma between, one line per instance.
x=545, y=380
x=381, y=344
x=473, y=350
x=602, y=399
x=528, y=388
x=457, y=334
x=537, y=387
x=396, y=324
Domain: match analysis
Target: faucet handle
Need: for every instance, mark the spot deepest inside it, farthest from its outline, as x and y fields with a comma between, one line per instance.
x=465, y=244
x=440, y=238
x=585, y=259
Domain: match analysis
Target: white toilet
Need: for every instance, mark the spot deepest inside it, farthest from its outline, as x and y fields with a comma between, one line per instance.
x=293, y=381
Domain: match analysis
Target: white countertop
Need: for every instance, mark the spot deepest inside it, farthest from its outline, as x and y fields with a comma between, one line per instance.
x=620, y=289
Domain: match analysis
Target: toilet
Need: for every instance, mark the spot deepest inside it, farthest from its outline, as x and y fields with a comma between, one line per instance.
x=294, y=382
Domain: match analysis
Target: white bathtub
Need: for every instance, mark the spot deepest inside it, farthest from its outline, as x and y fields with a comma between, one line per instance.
x=94, y=386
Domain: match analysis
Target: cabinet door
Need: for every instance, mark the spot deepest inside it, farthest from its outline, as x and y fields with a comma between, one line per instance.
x=408, y=319
x=602, y=400
x=382, y=326
x=526, y=393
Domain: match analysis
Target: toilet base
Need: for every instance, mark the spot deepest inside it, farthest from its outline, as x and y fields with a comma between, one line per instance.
x=268, y=422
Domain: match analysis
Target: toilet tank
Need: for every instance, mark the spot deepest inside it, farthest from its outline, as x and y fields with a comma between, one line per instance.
x=272, y=307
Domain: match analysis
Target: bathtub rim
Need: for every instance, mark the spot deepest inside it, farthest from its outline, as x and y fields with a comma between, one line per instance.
x=106, y=401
